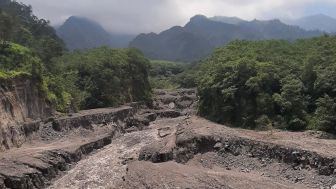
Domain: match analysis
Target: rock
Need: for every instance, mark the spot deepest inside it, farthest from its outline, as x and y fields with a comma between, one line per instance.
x=163, y=132
x=172, y=105
x=321, y=134
x=2, y=183
x=333, y=187
x=126, y=160
x=150, y=116
x=156, y=153
x=167, y=99
x=299, y=179
x=85, y=119
x=295, y=153
x=218, y=146
x=325, y=170
x=137, y=121
x=132, y=129
x=169, y=113
x=227, y=146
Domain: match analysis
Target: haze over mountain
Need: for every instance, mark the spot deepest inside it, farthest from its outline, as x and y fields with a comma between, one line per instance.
x=228, y=20
x=82, y=33
x=145, y=16
x=201, y=35
x=315, y=22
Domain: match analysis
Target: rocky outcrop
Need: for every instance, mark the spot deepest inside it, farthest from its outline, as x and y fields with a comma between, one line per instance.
x=302, y=159
x=214, y=145
x=175, y=103
x=21, y=105
x=29, y=172
x=187, y=145
x=88, y=118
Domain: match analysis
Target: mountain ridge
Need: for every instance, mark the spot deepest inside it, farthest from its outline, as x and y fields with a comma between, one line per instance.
x=315, y=22
x=201, y=35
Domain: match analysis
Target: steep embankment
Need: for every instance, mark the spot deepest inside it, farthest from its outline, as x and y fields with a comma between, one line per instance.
x=22, y=106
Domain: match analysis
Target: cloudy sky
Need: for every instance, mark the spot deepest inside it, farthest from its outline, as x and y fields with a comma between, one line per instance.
x=142, y=16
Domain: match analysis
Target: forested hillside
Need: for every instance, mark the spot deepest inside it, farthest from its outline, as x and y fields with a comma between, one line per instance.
x=78, y=80
x=198, y=38
x=271, y=84
x=27, y=44
x=19, y=25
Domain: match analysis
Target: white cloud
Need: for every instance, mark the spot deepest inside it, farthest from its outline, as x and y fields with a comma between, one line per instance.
x=134, y=16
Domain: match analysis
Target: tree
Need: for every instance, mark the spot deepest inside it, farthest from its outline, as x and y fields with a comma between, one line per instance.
x=6, y=29
x=325, y=115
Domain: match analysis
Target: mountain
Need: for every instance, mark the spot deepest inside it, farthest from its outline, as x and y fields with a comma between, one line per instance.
x=201, y=35
x=228, y=20
x=82, y=33
x=315, y=22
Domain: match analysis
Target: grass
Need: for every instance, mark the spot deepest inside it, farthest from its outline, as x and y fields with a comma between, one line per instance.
x=6, y=75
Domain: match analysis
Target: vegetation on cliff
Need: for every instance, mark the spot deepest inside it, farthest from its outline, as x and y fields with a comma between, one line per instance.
x=19, y=25
x=272, y=83
x=94, y=78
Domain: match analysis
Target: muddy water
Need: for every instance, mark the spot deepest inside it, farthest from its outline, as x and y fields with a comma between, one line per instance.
x=108, y=165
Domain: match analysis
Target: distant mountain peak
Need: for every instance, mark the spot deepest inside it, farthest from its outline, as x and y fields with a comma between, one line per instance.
x=320, y=22
x=73, y=17
x=82, y=20
x=82, y=33
x=78, y=18
x=198, y=18
x=228, y=20
x=320, y=15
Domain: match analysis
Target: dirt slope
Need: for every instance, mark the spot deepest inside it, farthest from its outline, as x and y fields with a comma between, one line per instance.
x=22, y=106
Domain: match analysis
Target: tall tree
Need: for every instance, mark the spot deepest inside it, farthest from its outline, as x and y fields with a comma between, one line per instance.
x=6, y=29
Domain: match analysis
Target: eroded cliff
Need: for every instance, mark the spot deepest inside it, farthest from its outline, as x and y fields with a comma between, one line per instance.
x=22, y=106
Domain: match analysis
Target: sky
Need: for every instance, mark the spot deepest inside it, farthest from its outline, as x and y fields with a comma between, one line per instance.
x=143, y=16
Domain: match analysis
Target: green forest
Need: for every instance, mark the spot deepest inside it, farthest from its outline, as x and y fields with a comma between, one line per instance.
x=271, y=84
x=250, y=84
x=172, y=75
